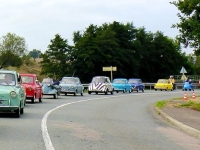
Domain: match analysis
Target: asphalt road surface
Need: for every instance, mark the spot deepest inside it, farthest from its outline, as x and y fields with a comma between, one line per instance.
x=123, y=121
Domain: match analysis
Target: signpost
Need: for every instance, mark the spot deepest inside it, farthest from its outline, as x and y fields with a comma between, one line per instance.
x=183, y=71
x=111, y=69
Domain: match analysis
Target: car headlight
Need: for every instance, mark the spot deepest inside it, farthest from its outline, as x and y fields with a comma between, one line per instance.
x=72, y=87
x=13, y=94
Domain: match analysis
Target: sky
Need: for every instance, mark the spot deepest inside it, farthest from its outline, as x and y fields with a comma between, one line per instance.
x=38, y=21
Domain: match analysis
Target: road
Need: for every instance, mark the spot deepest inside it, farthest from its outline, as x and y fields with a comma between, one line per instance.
x=95, y=122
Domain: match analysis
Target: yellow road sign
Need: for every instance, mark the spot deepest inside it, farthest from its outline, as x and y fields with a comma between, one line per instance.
x=110, y=68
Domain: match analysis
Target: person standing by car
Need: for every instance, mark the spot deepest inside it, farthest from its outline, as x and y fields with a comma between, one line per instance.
x=172, y=81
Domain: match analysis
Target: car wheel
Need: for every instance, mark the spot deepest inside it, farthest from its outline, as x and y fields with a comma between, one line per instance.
x=106, y=92
x=17, y=113
x=111, y=92
x=137, y=89
x=161, y=90
x=55, y=96
x=33, y=99
x=21, y=110
x=82, y=93
x=75, y=93
x=143, y=90
x=65, y=94
x=89, y=92
x=40, y=99
x=96, y=92
x=189, y=89
x=130, y=91
x=117, y=91
x=124, y=90
x=155, y=89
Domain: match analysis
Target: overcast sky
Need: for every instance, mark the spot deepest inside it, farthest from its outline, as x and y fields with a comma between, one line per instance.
x=39, y=20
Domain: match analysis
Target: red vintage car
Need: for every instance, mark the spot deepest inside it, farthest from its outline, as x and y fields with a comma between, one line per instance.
x=32, y=86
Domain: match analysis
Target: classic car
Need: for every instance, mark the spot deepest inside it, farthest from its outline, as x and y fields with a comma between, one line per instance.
x=100, y=84
x=136, y=84
x=188, y=86
x=163, y=84
x=32, y=86
x=12, y=93
x=50, y=88
x=121, y=84
x=71, y=85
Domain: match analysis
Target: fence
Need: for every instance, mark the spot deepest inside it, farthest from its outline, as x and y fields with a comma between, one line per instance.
x=150, y=86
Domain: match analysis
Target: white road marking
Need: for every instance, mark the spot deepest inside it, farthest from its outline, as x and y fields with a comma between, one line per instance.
x=45, y=134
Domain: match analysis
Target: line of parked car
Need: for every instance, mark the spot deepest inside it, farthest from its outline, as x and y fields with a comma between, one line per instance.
x=16, y=89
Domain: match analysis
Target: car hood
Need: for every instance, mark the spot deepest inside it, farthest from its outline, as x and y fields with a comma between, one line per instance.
x=28, y=85
x=7, y=89
x=67, y=85
x=118, y=84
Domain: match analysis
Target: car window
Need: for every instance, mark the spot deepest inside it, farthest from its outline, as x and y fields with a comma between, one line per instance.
x=27, y=79
x=99, y=80
x=69, y=80
x=7, y=79
x=133, y=81
x=47, y=81
x=118, y=81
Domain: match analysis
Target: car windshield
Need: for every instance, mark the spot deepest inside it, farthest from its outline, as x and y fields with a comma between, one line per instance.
x=119, y=81
x=98, y=79
x=27, y=79
x=162, y=81
x=47, y=81
x=133, y=81
x=7, y=79
x=69, y=80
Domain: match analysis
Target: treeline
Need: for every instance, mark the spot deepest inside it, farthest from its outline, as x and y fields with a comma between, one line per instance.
x=134, y=51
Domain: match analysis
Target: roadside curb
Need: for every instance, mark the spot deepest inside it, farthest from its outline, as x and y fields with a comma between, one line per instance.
x=182, y=126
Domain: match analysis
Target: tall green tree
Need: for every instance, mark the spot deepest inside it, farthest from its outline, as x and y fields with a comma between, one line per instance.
x=12, y=49
x=35, y=53
x=189, y=23
x=57, y=59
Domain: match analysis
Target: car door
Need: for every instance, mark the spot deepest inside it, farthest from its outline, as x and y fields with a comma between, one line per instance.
x=38, y=88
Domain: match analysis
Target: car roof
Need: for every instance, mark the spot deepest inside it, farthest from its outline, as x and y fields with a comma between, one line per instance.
x=120, y=79
x=100, y=77
x=8, y=71
x=27, y=74
x=135, y=78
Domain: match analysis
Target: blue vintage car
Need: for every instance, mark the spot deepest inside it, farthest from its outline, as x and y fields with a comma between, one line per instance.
x=136, y=84
x=71, y=85
x=50, y=88
x=12, y=93
x=121, y=84
x=188, y=86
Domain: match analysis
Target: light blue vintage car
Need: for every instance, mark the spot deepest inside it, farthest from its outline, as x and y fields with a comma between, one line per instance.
x=49, y=88
x=12, y=93
x=71, y=85
x=121, y=84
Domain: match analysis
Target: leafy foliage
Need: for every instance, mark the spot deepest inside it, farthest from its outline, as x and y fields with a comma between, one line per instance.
x=12, y=48
x=35, y=53
x=56, y=59
x=189, y=23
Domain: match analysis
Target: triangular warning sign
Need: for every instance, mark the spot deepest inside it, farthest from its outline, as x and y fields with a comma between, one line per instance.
x=183, y=70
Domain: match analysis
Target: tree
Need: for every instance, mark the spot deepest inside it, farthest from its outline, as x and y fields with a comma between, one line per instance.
x=189, y=23
x=12, y=48
x=34, y=53
x=57, y=59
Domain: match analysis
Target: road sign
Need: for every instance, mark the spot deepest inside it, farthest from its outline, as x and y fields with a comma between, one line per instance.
x=183, y=70
x=110, y=68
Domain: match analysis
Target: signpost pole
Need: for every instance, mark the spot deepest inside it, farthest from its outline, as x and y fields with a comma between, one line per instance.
x=111, y=74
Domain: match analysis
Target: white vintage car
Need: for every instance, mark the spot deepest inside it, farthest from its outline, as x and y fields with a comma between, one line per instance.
x=100, y=84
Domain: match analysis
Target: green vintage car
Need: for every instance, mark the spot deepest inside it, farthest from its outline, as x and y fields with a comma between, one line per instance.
x=12, y=93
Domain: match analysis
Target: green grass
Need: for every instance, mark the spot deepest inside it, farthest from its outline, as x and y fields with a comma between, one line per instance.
x=161, y=104
x=191, y=104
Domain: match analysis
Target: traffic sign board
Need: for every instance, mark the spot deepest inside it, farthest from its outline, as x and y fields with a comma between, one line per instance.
x=183, y=70
x=110, y=68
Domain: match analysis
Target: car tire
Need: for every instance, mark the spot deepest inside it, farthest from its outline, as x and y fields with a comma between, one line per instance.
x=117, y=91
x=143, y=90
x=124, y=90
x=33, y=99
x=75, y=93
x=17, y=113
x=111, y=92
x=82, y=93
x=155, y=89
x=89, y=92
x=137, y=89
x=130, y=90
x=65, y=94
x=22, y=110
x=106, y=92
x=40, y=99
x=55, y=96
